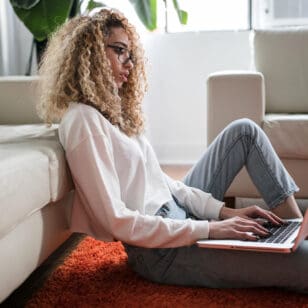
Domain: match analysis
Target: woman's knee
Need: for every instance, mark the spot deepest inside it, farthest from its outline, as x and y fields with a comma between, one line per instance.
x=244, y=122
x=244, y=126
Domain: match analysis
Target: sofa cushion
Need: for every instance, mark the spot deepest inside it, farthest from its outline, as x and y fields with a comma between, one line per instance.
x=21, y=133
x=24, y=182
x=40, y=138
x=288, y=134
x=33, y=172
x=18, y=99
x=281, y=56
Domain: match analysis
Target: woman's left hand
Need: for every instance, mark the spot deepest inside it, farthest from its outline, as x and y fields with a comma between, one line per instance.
x=251, y=212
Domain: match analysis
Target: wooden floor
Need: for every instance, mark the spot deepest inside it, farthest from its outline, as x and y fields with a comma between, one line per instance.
x=176, y=171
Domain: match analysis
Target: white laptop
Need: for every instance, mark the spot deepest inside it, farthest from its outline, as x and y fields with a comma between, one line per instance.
x=284, y=239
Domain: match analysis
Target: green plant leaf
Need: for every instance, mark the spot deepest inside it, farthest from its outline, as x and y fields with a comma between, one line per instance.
x=94, y=4
x=45, y=17
x=24, y=4
x=147, y=12
x=183, y=16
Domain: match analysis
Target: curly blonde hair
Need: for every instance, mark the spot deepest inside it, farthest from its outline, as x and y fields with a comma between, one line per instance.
x=75, y=68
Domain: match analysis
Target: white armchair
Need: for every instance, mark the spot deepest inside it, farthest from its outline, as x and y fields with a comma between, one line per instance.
x=275, y=96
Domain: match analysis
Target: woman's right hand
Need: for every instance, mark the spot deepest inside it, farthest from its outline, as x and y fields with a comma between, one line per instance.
x=237, y=228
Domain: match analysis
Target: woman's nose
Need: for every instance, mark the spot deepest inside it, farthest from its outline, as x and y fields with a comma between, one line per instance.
x=129, y=64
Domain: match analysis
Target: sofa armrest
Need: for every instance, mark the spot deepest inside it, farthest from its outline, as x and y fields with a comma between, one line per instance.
x=18, y=100
x=232, y=95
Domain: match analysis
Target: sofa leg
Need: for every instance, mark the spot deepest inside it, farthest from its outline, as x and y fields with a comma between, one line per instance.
x=230, y=202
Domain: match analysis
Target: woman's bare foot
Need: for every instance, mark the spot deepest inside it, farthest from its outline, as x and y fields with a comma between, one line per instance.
x=288, y=209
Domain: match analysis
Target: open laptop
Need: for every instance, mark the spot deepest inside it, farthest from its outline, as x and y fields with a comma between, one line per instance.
x=284, y=239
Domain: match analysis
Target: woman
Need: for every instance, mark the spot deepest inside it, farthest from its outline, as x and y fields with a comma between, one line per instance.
x=93, y=79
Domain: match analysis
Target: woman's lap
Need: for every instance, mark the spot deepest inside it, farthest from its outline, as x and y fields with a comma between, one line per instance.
x=213, y=268
x=219, y=268
x=194, y=266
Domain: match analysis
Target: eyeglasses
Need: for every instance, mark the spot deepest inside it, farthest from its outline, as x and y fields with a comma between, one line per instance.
x=123, y=54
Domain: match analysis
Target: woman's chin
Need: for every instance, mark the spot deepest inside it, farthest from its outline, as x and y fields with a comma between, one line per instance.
x=120, y=84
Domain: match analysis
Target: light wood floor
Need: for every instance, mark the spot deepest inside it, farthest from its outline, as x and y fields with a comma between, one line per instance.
x=177, y=172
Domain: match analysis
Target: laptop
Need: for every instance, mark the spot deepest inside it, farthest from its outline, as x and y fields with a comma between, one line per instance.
x=284, y=239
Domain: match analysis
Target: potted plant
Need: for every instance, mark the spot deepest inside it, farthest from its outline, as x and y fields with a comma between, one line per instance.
x=42, y=17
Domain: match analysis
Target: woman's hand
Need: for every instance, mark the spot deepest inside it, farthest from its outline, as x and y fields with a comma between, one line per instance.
x=237, y=228
x=242, y=223
x=251, y=212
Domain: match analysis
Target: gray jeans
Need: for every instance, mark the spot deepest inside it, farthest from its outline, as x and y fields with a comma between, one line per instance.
x=242, y=143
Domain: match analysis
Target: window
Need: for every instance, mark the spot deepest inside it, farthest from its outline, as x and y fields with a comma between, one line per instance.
x=237, y=14
x=216, y=15
x=277, y=13
x=210, y=15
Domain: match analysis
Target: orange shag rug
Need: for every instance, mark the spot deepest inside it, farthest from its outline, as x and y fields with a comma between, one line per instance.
x=96, y=274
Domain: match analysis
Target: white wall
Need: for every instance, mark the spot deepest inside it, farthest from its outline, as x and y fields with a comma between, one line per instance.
x=176, y=101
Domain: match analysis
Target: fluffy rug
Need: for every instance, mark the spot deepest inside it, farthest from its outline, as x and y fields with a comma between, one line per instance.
x=95, y=274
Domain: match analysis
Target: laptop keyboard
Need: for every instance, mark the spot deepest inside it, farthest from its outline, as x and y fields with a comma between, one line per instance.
x=280, y=234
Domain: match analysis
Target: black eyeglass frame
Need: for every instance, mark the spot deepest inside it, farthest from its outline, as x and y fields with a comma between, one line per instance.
x=129, y=58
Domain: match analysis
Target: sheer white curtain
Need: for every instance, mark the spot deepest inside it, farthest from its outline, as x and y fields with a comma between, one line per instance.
x=15, y=42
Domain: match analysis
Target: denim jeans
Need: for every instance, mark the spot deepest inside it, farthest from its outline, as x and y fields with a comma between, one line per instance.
x=242, y=143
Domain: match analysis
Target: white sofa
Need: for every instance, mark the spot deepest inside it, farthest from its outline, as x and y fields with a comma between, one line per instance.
x=35, y=185
x=274, y=95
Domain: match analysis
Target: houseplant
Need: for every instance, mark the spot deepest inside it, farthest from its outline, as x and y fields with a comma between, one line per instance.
x=42, y=17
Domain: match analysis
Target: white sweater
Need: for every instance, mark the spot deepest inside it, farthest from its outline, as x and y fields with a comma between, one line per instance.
x=120, y=186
